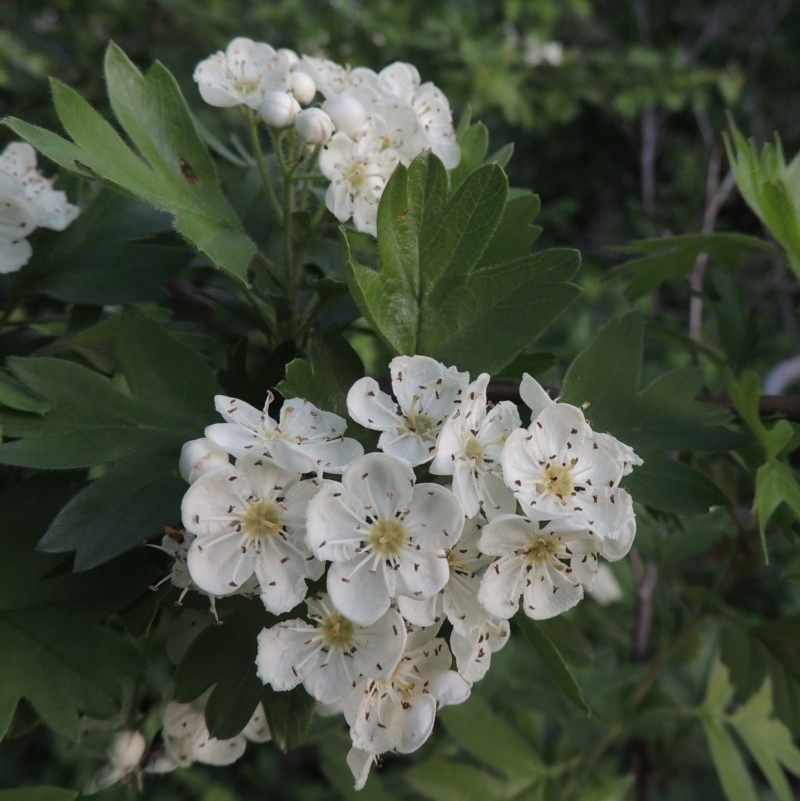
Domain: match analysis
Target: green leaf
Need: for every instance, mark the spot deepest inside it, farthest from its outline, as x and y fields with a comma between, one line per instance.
x=438, y=292
x=290, y=715
x=163, y=372
x=145, y=494
x=55, y=653
x=553, y=661
x=14, y=395
x=776, y=483
x=176, y=173
x=768, y=740
x=450, y=781
x=733, y=776
x=225, y=657
x=673, y=258
x=91, y=422
x=665, y=415
x=325, y=377
x=769, y=187
x=105, y=257
x=41, y=793
x=672, y=486
x=486, y=737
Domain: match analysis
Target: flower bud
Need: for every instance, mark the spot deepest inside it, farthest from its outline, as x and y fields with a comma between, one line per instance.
x=314, y=126
x=279, y=109
x=302, y=87
x=198, y=456
x=126, y=749
x=347, y=113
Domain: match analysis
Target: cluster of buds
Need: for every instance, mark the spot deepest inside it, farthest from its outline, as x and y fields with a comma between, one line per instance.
x=366, y=122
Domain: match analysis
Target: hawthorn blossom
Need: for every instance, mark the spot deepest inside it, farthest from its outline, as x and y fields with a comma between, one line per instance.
x=329, y=654
x=385, y=535
x=473, y=650
x=546, y=565
x=187, y=738
x=398, y=714
x=427, y=394
x=124, y=753
x=556, y=468
x=304, y=439
x=27, y=201
x=358, y=170
x=249, y=519
x=243, y=74
x=469, y=447
x=458, y=599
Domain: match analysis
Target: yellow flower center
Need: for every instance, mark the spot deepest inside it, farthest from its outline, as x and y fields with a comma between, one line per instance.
x=262, y=520
x=387, y=537
x=473, y=449
x=337, y=632
x=541, y=549
x=557, y=480
x=355, y=176
x=457, y=564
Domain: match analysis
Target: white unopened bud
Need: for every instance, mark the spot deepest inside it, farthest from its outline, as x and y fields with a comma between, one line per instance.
x=347, y=113
x=198, y=456
x=303, y=87
x=290, y=56
x=279, y=109
x=126, y=749
x=314, y=126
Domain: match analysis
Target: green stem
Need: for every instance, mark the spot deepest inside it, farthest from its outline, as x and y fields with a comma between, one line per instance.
x=252, y=124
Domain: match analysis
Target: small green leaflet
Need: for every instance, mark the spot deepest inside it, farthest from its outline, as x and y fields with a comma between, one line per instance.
x=766, y=738
x=673, y=258
x=174, y=173
x=439, y=291
x=137, y=434
x=55, y=654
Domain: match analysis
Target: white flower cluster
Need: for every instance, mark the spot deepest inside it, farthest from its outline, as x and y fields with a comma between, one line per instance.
x=27, y=202
x=530, y=512
x=368, y=122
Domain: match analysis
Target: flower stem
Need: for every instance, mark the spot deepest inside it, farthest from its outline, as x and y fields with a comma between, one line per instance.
x=252, y=124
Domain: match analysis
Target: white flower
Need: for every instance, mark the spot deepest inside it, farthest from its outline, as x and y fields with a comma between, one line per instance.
x=358, y=171
x=400, y=80
x=436, y=120
x=537, y=400
x=304, y=439
x=556, y=468
x=458, y=600
x=27, y=201
x=187, y=739
x=329, y=77
x=250, y=519
x=469, y=448
x=385, y=535
x=328, y=655
x=314, y=126
x=473, y=650
x=49, y=207
x=242, y=74
x=279, y=109
x=398, y=714
x=547, y=565
x=198, y=456
x=427, y=394
x=348, y=114
x=124, y=754
x=605, y=589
